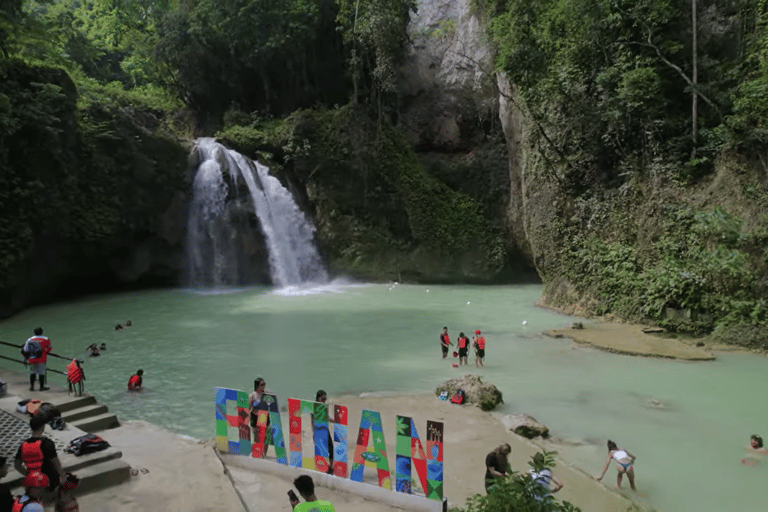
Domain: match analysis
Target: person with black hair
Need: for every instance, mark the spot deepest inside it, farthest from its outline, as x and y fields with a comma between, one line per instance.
x=755, y=448
x=38, y=453
x=624, y=461
x=306, y=488
x=496, y=464
x=136, y=381
x=37, y=366
x=542, y=475
x=6, y=499
x=445, y=342
x=322, y=396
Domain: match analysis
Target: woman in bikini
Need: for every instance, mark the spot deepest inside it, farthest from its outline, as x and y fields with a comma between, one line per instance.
x=624, y=460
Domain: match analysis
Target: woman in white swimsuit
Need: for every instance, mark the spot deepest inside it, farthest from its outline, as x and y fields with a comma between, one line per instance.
x=624, y=460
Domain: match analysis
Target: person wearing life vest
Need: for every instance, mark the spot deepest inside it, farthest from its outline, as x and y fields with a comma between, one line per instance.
x=306, y=488
x=463, y=343
x=445, y=342
x=37, y=364
x=38, y=454
x=35, y=484
x=135, y=382
x=479, y=344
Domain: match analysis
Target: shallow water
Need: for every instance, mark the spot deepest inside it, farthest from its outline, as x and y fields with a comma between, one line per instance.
x=348, y=339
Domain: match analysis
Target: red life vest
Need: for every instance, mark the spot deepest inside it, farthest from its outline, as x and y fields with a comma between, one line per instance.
x=32, y=455
x=463, y=342
x=74, y=372
x=480, y=342
x=446, y=339
x=45, y=346
x=134, y=382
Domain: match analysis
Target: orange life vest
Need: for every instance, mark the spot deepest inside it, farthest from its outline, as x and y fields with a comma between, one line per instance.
x=463, y=342
x=74, y=372
x=480, y=342
x=32, y=455
x=446, y=339
x=134, y=382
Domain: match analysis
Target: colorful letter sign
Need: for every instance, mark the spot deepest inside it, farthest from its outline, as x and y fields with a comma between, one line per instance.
x=233, y=422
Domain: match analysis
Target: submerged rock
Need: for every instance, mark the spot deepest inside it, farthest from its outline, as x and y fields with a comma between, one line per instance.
x=524, y=425
x=486, y=396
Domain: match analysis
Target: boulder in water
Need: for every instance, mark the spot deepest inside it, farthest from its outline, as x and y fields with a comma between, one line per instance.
x=485, y=396
x=524, y=425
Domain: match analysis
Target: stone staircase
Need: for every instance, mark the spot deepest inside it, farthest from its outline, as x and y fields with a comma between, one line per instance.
x=82, y=414
x=85, y=413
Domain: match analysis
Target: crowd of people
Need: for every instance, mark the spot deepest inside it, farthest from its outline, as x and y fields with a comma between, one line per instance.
x=462, y=347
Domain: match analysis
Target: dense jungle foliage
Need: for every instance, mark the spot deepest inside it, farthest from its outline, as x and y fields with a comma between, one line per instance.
x=656, y=136
x=644, y=121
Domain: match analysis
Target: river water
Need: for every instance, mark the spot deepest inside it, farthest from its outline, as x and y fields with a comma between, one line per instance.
x=348, y=338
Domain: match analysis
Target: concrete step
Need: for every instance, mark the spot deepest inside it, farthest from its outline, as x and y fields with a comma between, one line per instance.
x=96, y=423
x=84, y=412
x=95, y=477
x=72, y=463
x=67, y=403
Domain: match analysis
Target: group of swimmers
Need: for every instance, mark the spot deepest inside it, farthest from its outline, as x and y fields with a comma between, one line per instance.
x=462, y=344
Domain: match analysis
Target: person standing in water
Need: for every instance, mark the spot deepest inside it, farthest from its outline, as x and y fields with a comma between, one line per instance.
x=445, y=342
x=479, y=344
x=624, y=461
x=463, y=344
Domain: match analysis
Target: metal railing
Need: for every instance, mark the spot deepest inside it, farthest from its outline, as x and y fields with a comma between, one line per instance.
x=22, y=361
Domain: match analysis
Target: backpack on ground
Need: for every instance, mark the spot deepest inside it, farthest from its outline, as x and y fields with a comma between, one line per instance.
x=31, y=349
x=88, y=443
x=458, y=397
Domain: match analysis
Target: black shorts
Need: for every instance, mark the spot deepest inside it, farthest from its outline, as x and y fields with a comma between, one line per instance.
x=480, y=353
x=462, y=352
x=445, y=349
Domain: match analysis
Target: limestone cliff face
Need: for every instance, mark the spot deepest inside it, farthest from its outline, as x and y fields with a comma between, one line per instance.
x=446, y=81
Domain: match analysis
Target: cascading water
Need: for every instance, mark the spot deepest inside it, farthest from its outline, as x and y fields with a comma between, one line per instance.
x=220, y=241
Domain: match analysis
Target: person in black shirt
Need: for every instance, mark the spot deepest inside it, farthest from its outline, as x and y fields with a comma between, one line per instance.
x=38, y=453
x=496, y=464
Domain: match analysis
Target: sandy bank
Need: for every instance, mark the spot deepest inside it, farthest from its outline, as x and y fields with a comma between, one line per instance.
x=186, y=474
x=630, y=339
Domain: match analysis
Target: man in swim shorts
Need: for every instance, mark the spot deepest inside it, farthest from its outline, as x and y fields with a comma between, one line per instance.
x=445, y=342
x=463, y=343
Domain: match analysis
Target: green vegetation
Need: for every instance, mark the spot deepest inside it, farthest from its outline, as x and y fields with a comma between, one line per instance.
x=379, y=212
x=519, y=493
x=607, y=87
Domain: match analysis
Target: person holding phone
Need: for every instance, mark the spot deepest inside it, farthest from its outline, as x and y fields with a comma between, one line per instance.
x=306, y=488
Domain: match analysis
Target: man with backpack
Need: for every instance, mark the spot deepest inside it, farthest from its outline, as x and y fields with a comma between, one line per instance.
x=35, y=352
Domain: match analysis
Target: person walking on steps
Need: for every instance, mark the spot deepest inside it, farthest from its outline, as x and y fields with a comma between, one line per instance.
x=38, y=347
x=445, y=342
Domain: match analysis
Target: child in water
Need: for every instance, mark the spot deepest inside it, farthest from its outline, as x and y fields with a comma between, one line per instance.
x=755, y=448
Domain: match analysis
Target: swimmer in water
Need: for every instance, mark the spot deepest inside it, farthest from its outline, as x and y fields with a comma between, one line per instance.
x=755, y=448
x=624, y=461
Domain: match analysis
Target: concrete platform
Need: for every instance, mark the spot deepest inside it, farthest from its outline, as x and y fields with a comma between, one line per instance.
x=82, y=415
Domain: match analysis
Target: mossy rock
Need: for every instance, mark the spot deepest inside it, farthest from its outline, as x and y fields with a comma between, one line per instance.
x=485, y=396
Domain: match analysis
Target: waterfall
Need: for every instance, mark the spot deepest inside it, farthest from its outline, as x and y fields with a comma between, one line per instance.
x=230, y=194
